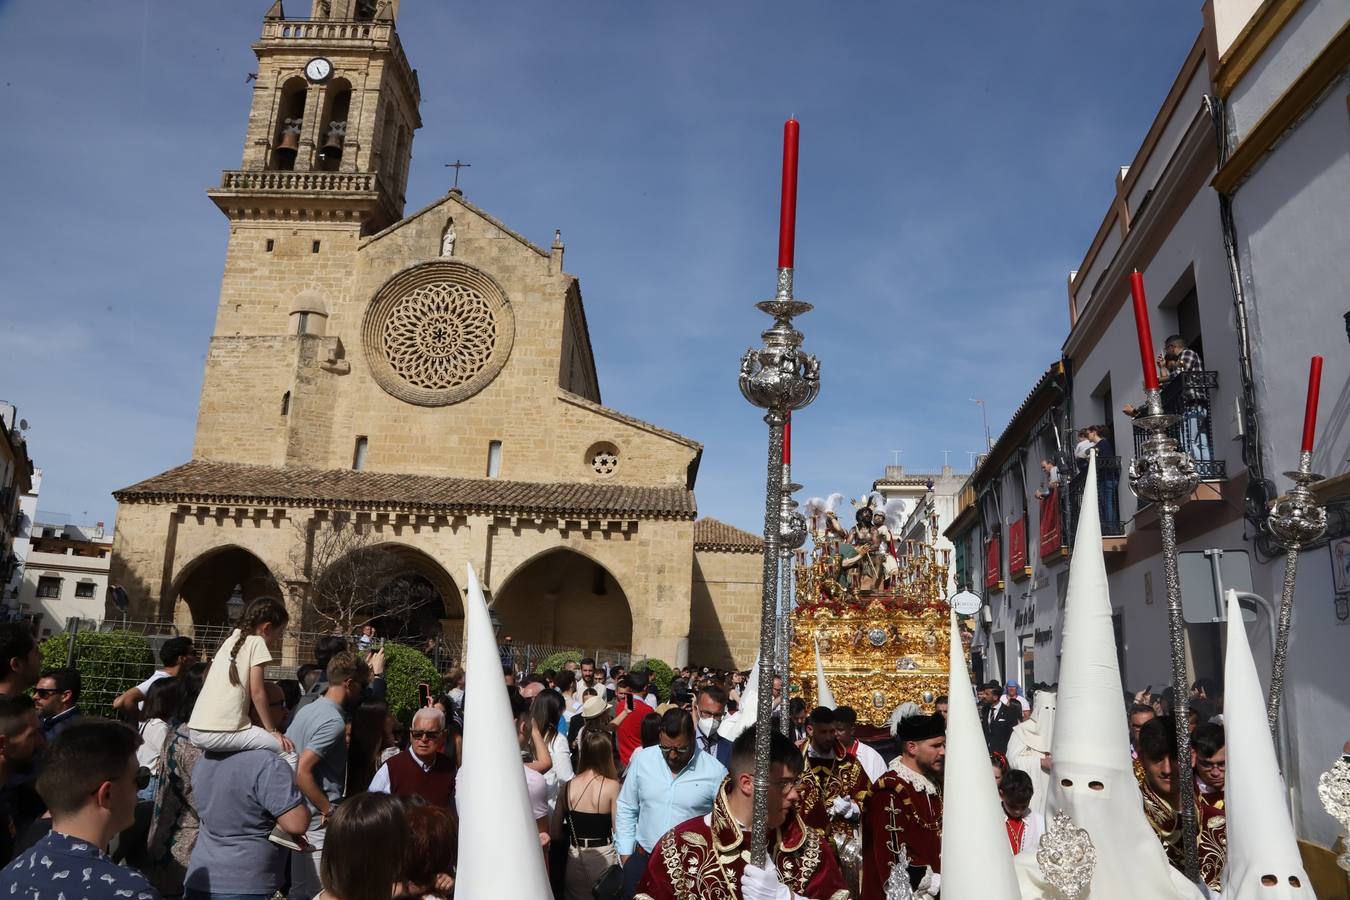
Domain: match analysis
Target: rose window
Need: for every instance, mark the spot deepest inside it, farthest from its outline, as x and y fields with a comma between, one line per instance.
x=440, y=336
x=438, y=333
x=603, y=458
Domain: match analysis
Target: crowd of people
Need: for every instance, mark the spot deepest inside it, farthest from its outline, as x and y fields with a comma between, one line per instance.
x=220, y=783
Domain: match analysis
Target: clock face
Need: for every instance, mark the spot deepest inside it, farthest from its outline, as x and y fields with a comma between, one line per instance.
x=318, y=69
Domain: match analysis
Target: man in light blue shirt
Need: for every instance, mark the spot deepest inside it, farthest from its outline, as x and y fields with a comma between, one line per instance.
x=665, y=785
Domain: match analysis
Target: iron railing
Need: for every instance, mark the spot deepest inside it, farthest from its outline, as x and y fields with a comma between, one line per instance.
x=1108, y=499
x=1187, y=395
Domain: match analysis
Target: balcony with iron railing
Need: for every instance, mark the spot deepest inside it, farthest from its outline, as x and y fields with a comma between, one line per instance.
x=1108, y=499
x=1187, y=396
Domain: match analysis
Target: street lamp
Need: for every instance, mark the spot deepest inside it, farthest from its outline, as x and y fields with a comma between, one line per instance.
x=234, y=607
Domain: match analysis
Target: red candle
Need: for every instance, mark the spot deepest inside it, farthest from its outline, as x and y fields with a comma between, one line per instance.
x=1310, y=411
x=787, y=217
x=1145, y=333
x=787, y=439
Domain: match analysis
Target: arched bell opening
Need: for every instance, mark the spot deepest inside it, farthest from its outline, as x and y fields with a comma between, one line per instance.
x=290, y=121
x=333, y=126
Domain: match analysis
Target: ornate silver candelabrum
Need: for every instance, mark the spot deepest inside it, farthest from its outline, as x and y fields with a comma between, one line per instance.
x=778, y=378
x=1333, y=789
x=1296, y=520
x=792, y=534
x=1164, y=474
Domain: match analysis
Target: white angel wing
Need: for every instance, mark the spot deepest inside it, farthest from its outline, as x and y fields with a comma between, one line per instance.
x=833, y=502
x=896, y=509
x=876, y=500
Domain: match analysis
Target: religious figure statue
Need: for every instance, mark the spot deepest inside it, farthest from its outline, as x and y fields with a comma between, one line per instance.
x=448, y=239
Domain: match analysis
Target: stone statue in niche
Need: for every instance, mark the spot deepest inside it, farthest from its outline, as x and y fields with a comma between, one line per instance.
x=448, y=239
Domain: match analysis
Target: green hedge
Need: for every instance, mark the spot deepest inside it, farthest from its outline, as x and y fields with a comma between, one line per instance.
x=109, y=662
x=556, y=661
x=661, y=676
x=404, y=669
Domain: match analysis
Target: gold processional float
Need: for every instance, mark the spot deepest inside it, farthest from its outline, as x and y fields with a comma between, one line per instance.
x=877, y=608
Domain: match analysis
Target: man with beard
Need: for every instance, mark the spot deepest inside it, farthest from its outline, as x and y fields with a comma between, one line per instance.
x=318, y=732
x=20, y=741
x=708, y=856
x=905, y=808
x=1162, y=799
x=833, y=782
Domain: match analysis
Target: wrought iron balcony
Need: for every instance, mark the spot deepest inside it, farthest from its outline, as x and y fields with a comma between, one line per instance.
x=1187, y=394
x=1108, y=498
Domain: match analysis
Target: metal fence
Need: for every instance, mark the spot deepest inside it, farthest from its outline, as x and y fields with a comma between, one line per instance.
x=109, y=670
x=1187, y=396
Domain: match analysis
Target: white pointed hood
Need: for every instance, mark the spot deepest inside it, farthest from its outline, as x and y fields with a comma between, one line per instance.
x=1261, y=840
x=747, y=707
x=824, y=696
x=1092, y=777
x=491, y=785
x=972, y=817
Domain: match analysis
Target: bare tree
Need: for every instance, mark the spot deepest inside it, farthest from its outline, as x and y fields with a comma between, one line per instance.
x=348, y=573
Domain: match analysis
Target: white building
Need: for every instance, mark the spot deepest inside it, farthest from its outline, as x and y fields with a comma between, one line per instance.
x=16, y=480
x=65, y=575
x=925, y=493
x=1234, y=209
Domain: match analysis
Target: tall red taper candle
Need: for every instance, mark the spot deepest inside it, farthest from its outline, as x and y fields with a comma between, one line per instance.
x=787, y=439
x=1310, y=411
x=787, y=217
x=1145, y=333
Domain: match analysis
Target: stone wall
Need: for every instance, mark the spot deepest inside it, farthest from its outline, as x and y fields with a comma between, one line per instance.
x=724, y=619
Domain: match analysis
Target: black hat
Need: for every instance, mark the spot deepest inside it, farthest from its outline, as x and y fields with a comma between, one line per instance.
x=921, y=727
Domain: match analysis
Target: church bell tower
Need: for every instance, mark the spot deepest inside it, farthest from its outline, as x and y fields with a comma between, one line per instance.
x=330, y=130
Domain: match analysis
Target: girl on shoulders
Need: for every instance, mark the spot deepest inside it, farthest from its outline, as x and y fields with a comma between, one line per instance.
x=235, y=685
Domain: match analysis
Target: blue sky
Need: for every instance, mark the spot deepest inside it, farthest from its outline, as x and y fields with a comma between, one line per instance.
x=956, y=160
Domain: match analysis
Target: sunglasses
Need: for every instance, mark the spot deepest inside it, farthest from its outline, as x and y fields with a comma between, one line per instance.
x=45, y=692
x=142, y=779
x=425, y=735
x=677, y=751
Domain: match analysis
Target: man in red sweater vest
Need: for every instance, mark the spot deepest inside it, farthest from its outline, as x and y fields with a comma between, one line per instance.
x=423, y=769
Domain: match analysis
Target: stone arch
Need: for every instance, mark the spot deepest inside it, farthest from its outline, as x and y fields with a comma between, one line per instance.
x=202, y=589
x=409, y=570
x=565, y=597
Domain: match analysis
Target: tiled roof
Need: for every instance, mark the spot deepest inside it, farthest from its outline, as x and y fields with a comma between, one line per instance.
x=710, y=534
x=214, y=482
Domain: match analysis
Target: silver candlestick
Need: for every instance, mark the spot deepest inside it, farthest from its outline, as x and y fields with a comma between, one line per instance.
x=1296, y=519
x=792, y=531
x=777, y=377
x=1166, y=475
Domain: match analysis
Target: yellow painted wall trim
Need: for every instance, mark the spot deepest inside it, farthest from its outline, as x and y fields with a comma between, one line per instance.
x=1251, y=42
x=1327, y=67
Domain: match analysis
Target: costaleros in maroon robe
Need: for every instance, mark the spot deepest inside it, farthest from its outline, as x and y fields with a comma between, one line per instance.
x=904, y=808
x=704, y=858
x=825, y=779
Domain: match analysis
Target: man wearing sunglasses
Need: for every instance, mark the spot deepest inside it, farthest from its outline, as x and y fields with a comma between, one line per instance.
x=665, y=785
x=89, y=780
x=58, y=700
x=423, y=769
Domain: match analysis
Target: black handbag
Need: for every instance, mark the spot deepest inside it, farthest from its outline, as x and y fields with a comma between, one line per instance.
x=609, y=886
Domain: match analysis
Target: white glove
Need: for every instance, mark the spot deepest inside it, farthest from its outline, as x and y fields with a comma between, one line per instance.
x=763, y=884
x=929, y=886
x=844, y=808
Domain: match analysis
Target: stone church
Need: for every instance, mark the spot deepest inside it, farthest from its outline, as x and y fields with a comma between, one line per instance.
x=429, y=376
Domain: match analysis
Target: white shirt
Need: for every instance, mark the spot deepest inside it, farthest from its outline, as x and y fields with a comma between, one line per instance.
x=144, y=686
x=537, y=787
x=561, y=773
x=380, y=783
x=870, y=760
x=1031, y=838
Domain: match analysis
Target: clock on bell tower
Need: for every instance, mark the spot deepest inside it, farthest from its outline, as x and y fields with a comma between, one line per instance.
x=330, y=129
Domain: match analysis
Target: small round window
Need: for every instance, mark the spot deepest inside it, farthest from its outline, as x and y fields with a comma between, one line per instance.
x=603, y=458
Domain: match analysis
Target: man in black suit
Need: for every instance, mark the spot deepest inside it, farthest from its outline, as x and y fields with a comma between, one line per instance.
x=709, y=708
x=998, y=720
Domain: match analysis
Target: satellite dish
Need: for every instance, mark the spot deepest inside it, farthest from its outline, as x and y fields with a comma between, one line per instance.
x=965, y=603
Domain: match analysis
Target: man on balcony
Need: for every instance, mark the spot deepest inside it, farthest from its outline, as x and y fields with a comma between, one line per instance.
x=1178, y=359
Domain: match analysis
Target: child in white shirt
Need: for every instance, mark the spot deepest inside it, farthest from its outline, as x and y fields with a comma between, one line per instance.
x=235, y=684
x=1024, y=826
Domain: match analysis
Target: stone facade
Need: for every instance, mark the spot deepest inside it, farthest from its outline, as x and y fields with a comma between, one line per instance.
x=450, y=403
